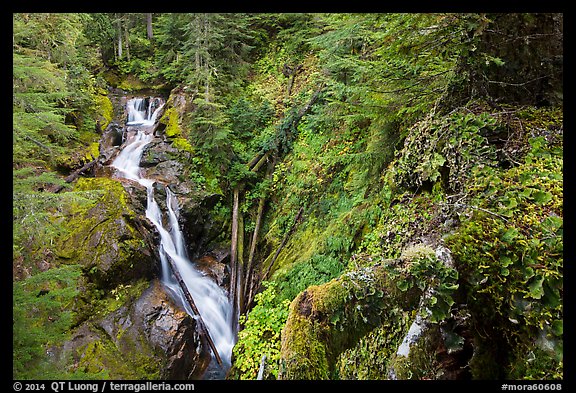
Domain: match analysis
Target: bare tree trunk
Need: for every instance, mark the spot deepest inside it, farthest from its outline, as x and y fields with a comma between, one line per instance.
x=149, y=32
x=127, y=41
x=248, y=278
x=291, y=72
x=207, y=62
x=74, y=175
x=234, y=256
x=119, y=32
x=240, y=267
x=254, y=160
x=260, y=162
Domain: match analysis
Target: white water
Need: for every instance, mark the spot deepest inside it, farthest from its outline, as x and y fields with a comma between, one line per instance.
x=141, y=114
x=211, y=300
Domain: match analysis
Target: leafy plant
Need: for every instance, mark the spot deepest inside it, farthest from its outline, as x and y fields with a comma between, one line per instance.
x=510, y=253
x=261, y=334
x=314, y=271
x=445, y=149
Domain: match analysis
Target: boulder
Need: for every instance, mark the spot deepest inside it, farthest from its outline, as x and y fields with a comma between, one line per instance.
x=105, y=237
x=147, y=337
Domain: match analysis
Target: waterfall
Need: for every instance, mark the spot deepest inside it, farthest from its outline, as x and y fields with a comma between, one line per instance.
x=143, y=111
x=212, y=300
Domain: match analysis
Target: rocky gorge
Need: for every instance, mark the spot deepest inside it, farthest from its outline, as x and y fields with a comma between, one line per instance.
x=117, y=247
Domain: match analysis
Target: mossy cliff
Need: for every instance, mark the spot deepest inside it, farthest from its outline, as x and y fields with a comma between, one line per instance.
x=496, y=311
x=141, y=334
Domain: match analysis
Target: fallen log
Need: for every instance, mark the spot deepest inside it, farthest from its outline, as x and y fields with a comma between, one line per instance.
x=201, y=325
x=74, y=175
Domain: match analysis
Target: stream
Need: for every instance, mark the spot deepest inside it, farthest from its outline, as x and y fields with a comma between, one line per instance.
x=211, y=299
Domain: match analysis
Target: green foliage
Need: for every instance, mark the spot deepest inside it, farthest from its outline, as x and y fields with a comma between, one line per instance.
x=39, y=218
x=427, y=272
x=511, y=260
x=249, y=119
x=450, y=145
x=314, y=271
x=39, y=129
x=261, y=335
x=370, y=60
x=42, y=318
x=55, y=101
x=369, y=359
x=209, y=133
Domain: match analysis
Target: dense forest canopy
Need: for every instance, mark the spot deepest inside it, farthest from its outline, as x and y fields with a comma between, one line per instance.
x=336, y=155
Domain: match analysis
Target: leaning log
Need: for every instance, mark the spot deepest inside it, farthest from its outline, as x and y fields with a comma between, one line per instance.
x=201, y=325
x=286, y=236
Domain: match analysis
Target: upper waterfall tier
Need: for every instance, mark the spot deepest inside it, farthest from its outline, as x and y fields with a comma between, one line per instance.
x=143, y=111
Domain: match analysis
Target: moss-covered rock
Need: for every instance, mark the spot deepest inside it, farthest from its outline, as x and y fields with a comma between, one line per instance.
x=328, y=324
x=370, y=358
x=327, y=319
x=104, y=110
x=145, y=337
x=172, y=122
x=509, y=255
x=102, y=236
x=177, y=106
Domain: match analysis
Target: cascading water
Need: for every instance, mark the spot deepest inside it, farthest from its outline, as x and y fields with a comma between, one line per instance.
x=211, y=300
x=143, y=111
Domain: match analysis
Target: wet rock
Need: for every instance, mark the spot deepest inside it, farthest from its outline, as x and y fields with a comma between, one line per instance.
x=146, y=338
x=156, y=152
x=211, y=267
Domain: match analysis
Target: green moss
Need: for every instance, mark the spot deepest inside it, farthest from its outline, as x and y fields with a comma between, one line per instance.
x=302, y=246
x=171, y=119
x=113, y=191
x=124, y=355
x=328, y=297
x=102, y=357
x=102, y=237
x=130, y=82
x=510, y=257
x=182, y=144
x=327, y=319
x=336, y=315
x=421, y=362
x=370, y=358
x=303, y=354
x=174, y=131
x=92, y=152
x=119, y=296
x=104, y=109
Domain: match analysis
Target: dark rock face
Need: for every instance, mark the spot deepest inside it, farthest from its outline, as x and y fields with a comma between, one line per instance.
x=210, y=266
x=146, y=338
